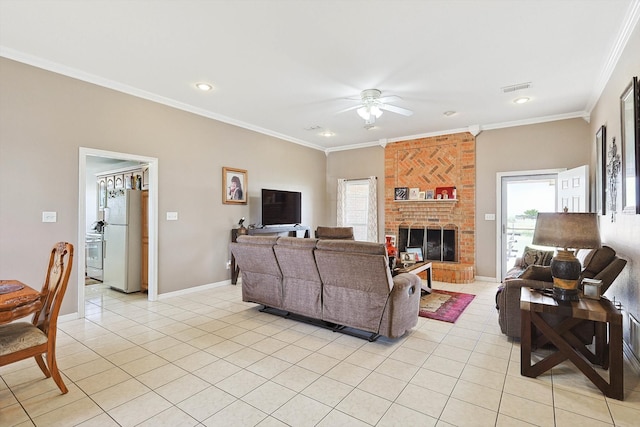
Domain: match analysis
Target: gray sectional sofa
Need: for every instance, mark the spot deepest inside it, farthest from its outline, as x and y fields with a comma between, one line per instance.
x=343, y=283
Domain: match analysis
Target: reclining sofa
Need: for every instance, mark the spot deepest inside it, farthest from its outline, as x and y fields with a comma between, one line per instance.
x=342, y=283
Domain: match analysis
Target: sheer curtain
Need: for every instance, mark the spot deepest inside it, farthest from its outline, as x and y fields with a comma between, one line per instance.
x=357, y=207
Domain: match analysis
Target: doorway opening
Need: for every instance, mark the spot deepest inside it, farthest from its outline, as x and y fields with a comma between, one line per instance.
x=89, y=161
x=520, y=196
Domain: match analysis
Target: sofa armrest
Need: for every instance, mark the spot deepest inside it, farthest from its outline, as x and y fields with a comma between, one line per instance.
x=406, y=283
x=401, y=311
x=610, y=273
x=508, y=303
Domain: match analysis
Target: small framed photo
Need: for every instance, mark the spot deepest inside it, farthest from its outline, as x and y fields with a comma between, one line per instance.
x=234, y=186
x=429, y=195
x=407, y=258
x=422, y=195
x=416, y=253
x=414, y=193
x=444, y=193
x=401, y=193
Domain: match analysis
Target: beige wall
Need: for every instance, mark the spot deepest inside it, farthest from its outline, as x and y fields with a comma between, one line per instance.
x=552, y=145
x=353, y=164
x=558, y=144
x=46, y=117
x=624, y=234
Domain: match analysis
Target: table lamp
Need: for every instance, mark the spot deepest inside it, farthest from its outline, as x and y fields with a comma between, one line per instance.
x=568, y=231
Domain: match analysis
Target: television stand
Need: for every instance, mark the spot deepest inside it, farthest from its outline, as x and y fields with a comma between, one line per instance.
x=292, y=231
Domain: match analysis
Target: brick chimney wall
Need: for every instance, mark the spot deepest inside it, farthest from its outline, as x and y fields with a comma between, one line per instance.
x=427, y=163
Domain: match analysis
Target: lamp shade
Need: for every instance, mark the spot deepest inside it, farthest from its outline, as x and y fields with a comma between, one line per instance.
x=567, y=230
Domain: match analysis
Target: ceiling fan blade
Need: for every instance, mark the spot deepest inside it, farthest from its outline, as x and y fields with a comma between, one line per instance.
x=355, y=107
x=397, y=110
x=389, y=98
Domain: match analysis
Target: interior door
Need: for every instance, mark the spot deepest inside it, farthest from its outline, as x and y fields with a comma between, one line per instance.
x=573, y=189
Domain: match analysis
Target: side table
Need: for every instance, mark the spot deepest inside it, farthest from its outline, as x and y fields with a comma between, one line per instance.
x=416, y=268
x=608, y=354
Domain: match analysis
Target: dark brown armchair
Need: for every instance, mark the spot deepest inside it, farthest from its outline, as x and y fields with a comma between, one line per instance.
x=602, y=264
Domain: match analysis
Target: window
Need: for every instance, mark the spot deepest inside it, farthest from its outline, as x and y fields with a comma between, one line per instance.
x=358, y=207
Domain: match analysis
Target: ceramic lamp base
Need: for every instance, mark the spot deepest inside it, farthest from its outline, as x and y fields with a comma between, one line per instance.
x=565, y=269
x=560, y=294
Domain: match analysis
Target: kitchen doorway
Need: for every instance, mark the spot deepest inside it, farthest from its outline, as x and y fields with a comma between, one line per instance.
x=87, y=157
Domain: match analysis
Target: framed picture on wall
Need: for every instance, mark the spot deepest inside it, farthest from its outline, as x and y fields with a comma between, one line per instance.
x=601, y=171
x=234, y=186
x=630, y=118
x=414, y=193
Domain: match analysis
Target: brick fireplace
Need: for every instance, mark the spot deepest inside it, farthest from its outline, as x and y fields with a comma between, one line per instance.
x=446, y=227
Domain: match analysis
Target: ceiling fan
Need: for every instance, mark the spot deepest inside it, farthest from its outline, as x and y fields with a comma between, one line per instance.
x=372, y=105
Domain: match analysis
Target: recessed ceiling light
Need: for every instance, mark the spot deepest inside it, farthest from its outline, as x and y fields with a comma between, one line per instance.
x=522, y=100
x=449, y=113
x=204, y=86
x=327, y=133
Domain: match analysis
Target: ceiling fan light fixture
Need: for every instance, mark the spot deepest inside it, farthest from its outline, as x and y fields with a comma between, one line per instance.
x=369, y=111
x=363, y=112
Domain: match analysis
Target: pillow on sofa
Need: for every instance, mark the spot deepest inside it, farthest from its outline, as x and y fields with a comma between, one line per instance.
x=536, y=257
x=597, y=261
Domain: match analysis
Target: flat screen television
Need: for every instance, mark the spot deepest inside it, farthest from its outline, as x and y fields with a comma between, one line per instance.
x=281, y=207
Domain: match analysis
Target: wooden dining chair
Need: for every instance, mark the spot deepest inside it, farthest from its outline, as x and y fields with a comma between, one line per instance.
x=21, y=340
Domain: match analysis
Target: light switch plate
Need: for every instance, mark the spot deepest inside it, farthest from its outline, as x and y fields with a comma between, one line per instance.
x=172, y=216
x=489, y=217
x=49, y=216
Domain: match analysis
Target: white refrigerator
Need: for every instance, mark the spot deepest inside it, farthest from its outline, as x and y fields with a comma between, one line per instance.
x=123, y=240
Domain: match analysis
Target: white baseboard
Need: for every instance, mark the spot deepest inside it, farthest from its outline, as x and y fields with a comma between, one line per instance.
x=193, y=289
x=73, y=316
x=487, y=279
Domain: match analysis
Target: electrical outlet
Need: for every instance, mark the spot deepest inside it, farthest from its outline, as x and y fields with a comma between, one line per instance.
x=49, y=216
x=229, y=265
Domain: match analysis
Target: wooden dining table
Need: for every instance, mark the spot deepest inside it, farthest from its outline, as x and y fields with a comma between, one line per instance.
x=17, y=300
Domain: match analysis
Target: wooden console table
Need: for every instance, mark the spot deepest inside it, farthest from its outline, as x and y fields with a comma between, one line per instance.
x=608, y=354
x=292, y=230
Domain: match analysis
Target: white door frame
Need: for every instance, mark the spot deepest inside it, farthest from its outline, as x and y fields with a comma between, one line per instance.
x=499, y=177
x=82, y=214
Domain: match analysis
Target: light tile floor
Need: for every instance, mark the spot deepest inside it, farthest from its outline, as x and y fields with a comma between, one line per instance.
x=208, y=359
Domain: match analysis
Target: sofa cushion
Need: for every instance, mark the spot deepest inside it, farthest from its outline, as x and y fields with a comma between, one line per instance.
x=258, y=240
x=345, y=233
x=352, y=246
x=532, y=256
x=597, y=260
x=296, y=242
x=538, y=272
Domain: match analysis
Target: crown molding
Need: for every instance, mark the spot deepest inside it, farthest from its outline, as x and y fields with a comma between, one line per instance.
x=628, y=26
x=129, y=90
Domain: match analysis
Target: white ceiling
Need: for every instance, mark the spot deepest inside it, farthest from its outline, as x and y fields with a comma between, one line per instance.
x=283, y=67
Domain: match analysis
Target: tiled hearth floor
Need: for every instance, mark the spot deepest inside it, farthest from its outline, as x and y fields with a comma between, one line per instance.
x=208, y=359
